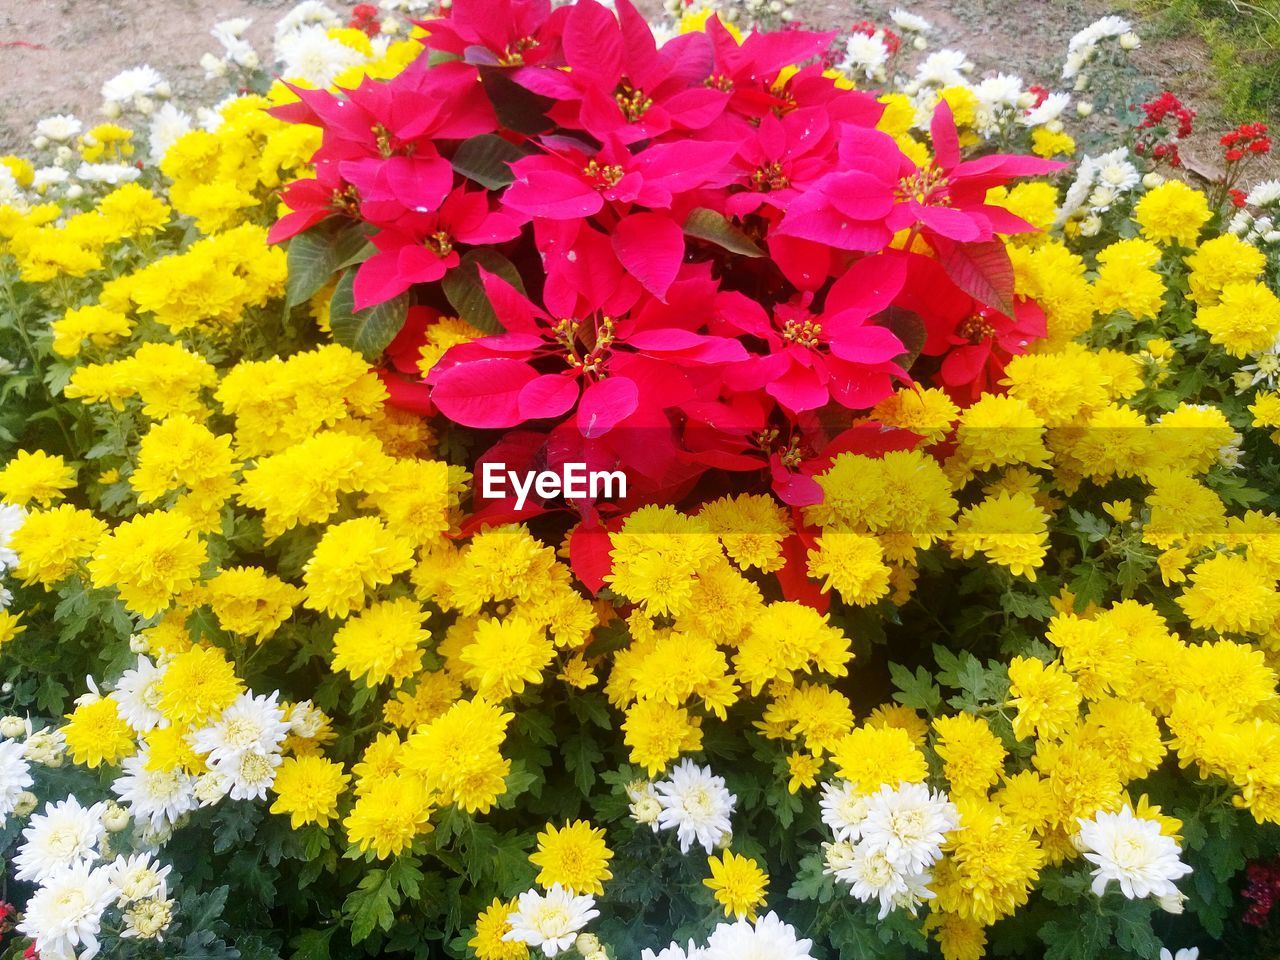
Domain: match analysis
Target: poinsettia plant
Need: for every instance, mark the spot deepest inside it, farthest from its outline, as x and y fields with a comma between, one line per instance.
x=672, y=258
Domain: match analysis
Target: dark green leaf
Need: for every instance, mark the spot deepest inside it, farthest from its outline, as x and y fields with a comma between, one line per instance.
x=715, y=228
x=317, y=255
x=486, y=159
x=465, y=291
x=366, y=331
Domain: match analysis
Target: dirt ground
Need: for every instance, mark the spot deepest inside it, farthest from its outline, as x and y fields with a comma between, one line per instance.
x=55, y=54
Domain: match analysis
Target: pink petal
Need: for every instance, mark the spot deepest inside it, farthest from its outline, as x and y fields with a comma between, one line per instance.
x=606, y=403
x=651, y=248
x=547, y=397
x=946, y=142
x=483, y=393
x=867, y=345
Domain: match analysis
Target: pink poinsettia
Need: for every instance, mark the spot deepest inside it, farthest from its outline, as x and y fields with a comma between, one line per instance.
x=879, y=191
x=423, y=247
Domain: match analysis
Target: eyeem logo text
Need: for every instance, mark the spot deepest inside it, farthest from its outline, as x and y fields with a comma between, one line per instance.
x=573, y=482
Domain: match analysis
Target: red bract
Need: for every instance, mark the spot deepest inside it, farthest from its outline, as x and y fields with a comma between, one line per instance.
x=677, y=262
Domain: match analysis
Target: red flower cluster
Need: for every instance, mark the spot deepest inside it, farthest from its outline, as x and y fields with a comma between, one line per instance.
x=1262, y=891
x=364, y=17
x=1245, y=140
x=1166, y=121
x=685, y=261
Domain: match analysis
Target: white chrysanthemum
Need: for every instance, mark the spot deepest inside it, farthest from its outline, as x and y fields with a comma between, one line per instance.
x=155, y=797
x=249, y=774
x=1101, y=29
x=675, y=952
x=128, y=84
x=230, y=34
x=910, y=22
x=766, y=939
x=865, y=55
x=211, y=787
x=138, y=877
x=1133, y=852
x=59, y=128
x=63, y=917
x=250, y=724
x=46, y=177
x=315, y=58
x=147, y=919
x=109, y=173
x=550, y=921
x=696, y=804
x=308, y=13
x=137, y=695
x=1264, y=194
x=168, y=125
x=1001, y=91
x=15, y=776
x=908, y=824
x=64, y=835
x=872, y=876
x=47, y=746
x=1186, y=953
x=12, y=517
x=306, y=719
x=943, y=68
x=843, y=809
x=10, y=192
x=1050, y=109
x=645, y=807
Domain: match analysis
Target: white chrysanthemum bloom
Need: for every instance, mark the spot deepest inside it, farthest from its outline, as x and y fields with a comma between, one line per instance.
x=910, y=22
x=12, y=517
x=230, y=34
x=943, y=68
x=59, y=128
x=249, y=774
x=1133, y=852
x=46, y=177
x=138, y=877
x=251, y=724
x=64, y=835
x=1185, y=953
x=843, y=809
x=63, y=917
x=1002, y=90
x=15, y=777
x=14, y=727
x=137, y=696
x=696, y=804
x=1264, y=194
x=167, y=126
x=766, y=939
x=306, y=719
x=211, y=787
x=908, y=824
x=1050, y=109
x=871, y=875
x=315, y=58
x=155, y=797
x=550, y=921
x=1119, y=174
x=10, y=193
x=109, y=173
x=132, y=83
x=865, y=56
x=308, y=13
x=47, y=747
x=147, y=919
x=675, y=952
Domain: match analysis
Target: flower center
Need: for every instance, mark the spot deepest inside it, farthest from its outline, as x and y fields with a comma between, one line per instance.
x=632, y=102
x=513, y=53
x=439, y=243
x=976, y=328
x=926, y=186
x=602, y=176
x=770, y=176
x=802, y=332
x=346, y=200
x=718, y=81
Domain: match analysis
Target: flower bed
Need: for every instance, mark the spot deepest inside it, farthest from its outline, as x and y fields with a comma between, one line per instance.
x=927, y=602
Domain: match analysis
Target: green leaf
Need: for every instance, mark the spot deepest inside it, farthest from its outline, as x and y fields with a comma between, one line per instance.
x=580, y=758
x=317, y=255
x=371, y=905
x=915, y=690
x=486, y=160
x=715, y=228
x=369, y=331
x=466, y=293
x=1081, y=938
x=518, y=108
x=1133, y=929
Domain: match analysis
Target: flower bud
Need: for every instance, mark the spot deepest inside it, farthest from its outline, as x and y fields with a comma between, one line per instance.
x=1172, y=902
x=111, y=110
x=145, y=106
x=919, y=42
x=1242, y=380
x=75, y=192
x=116, y=818
x=1090, y=225
x=40, y=142
x=25, y=804
x=1152, y=180
x=12, y=727
x=138, y=643
x=587, y=943
x=1129, y=41
x=163, y=90
x=1083, y=109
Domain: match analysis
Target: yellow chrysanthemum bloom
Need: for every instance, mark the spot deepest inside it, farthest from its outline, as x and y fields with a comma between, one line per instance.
x=10, y=626
x=492, y=926
x=390, y=815
x=307, y=788
x=383, y=642
x=149, y=559
x=574, y=856
x=51, y=542
x=1046, y=697
x=852, y=564
x=972, y=756
x=658, y=733
x=97, y=734
x=1231, y=594
x=1173, y=213
x=506, y=655
x=870, y=757
x=249, y=601
x=352, y=557
x=196, y=685
x=33, y=475
x=738, y=884
x=1245, y=319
